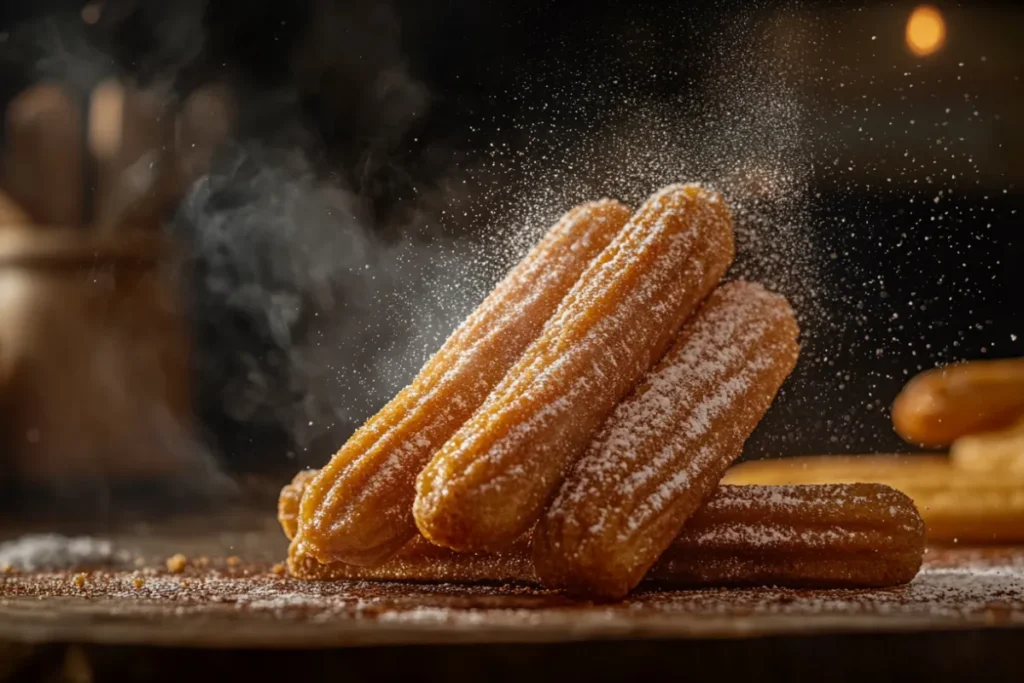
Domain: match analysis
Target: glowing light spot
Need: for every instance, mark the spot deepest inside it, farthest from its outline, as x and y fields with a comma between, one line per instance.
x=91, y=13
x=926, y=31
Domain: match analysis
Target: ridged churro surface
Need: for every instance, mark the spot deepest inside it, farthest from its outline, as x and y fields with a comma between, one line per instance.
x=958, y=506
x=423, y=562
x=666, y=446
x=358, y=509
x=289, y=500
x=492, y=479
x=941, y=405
x=838, y=536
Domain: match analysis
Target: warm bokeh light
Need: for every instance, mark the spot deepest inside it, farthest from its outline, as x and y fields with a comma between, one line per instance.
x=926, y=31
x=91, y=12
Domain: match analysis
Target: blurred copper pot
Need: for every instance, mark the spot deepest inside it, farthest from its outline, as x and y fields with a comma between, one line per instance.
x=94, y=350
x=94, y=355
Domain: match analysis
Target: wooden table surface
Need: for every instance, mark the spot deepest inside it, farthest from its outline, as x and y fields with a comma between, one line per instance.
x=243, y=603
x=236, y=619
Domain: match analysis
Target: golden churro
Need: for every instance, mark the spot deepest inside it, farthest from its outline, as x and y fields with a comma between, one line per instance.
x=490, y=482
x=420, y=561
x=956, y=505
x=847, y=535
x=841, y=469
x=995, y=452
x=289, y=500
x=839, y=535
x=939, y=406
x=359, y=509
x=664, y=448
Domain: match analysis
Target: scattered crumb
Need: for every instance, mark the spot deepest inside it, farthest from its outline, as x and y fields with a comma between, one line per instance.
x=176, y=563
x=278, y=569
x=955, y=588
x=79, y=579
x=234, y=561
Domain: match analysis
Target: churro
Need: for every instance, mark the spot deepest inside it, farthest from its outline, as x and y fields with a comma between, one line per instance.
x=490, y=482
x=939, y=406
x=666, y=446
x=956, y=505
x=420, y=561
x=358, y=509
x=846, y=535
x=842, y=469
x=996, y=452
x=289, y=500
x=838, y=535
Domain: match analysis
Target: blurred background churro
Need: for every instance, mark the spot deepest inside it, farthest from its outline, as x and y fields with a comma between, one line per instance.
x=973, y=495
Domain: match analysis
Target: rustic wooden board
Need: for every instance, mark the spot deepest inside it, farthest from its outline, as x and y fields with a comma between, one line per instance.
x=245, y=604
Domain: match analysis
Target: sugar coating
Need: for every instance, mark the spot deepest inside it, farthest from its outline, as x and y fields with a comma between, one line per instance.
x=697, y=382
x=741, y=533
x=491, y=479
x=358, y=508
x=664, y=448
x=863, y=503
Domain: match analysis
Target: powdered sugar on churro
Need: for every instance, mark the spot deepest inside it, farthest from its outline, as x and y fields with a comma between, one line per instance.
x=777, y=524
x=650, y=448
x=665, y=447
x=757, y=536
x=867, y=518
x=809, y=503
x=547, y=365
x=609, y=329
x=358, y=508
x=500, y=316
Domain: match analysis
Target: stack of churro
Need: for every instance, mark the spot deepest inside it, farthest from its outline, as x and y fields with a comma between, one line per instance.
x=574, y=430
x=973, y=495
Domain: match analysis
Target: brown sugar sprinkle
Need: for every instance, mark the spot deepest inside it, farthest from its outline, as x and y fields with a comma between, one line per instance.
x=234, y=561
x=176, y=563
x=278, y=569
x=138, y=582
x=79, y=579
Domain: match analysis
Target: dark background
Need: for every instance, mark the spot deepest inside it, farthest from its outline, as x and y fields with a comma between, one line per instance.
x=897, y=235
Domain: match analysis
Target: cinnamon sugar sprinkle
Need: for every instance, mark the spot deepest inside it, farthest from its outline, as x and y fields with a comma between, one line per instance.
x=956, y=587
